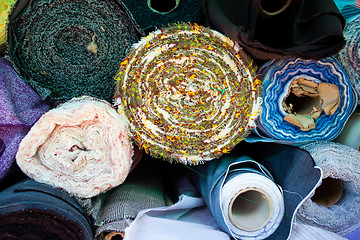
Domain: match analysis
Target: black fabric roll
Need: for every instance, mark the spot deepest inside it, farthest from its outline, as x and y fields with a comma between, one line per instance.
x=31, y=210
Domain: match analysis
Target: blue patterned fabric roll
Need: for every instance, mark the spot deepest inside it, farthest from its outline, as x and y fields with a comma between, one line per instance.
x=278, y=78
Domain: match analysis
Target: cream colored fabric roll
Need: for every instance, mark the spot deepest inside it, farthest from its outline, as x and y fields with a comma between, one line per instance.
x=82, y=147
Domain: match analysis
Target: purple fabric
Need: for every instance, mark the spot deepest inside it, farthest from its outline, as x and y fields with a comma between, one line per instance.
x=20, y=108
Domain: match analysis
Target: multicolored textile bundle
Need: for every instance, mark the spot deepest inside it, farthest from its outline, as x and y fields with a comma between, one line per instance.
x=303, y=101
x=188, y=92
x=115, y=210
x=256, y=206
x=335, y=205
x=82, y=146
x=67, y=49
x=309, y=29
x=152, y=14
x=5, y=8
x=20, y=108
x=32, y=210
x=349, y=56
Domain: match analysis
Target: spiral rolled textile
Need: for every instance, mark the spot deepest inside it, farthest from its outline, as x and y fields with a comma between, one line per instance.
x=5, y=8
x=189, y=93
x=349, y=56
x=82, y=147
x=303, y=101
x=66, y=49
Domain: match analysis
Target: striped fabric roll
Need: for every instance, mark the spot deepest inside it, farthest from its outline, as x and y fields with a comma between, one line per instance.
x=189, y=93
x=66, y=49
x=349, y=56
x=304, y=100
x=82, y=147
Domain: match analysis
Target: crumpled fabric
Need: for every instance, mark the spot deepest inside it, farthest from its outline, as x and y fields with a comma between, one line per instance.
x=189, y=93
x=20, y=108
x=341, y=162
x=309, y=29
x=33, y=210
x=277, y=76
x=82, y=147
x=349, y=56
x=66, y=49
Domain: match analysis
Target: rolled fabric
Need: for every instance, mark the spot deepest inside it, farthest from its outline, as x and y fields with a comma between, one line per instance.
x=257, y=199
x=20, y=108
x=67, y=49
x=350, y=135
x=5, y=8
x=349, y=56
x=335, y=205
x=82, y=146
x=309, y=29
x=33, y=210
x=115, y=210
x=189, y=93
x=152, y=14
x=303, y=101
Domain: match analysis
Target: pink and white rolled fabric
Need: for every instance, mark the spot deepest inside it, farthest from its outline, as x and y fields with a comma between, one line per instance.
x=82, y=147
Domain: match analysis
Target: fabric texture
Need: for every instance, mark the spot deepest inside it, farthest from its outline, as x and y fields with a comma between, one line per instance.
x=82, y=146
x=78, y=53
x=309, y=29
x=282, y=162
x=341, y=162
x=20, y=108
x=115, y=210
x=32, y=210
x=349, y=56
x=350, y=134
x=5, y=8
x=152, y=14
x=189, y=93
x=278, y=78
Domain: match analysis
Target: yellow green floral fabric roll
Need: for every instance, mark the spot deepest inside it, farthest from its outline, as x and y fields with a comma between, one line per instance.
x=5, y=7
x=189, y=93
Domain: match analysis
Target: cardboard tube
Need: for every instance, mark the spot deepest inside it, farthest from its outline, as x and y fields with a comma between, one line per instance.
x=328, y=193
x=163, y=6
x=272, y=8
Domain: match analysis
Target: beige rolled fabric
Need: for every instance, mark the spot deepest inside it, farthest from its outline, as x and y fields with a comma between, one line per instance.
x=82, y=147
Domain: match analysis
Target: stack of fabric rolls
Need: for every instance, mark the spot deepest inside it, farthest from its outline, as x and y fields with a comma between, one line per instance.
x=179, y=119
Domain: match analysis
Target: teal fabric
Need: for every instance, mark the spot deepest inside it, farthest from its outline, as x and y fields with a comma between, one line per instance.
x=65, y=49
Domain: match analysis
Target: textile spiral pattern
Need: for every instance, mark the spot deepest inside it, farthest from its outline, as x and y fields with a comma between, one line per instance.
x=82, y=147
x=67, y=49
x=277, y=76
x=349, y=56
x=189, y=93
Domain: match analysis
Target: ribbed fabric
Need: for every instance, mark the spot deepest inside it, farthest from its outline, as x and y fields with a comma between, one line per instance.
x=20, y=108
x=189, y=93
x=67, y=49
x=31, y=210
x=341, y=162
x=82, y=146
x=349, y=57
x=277, y=76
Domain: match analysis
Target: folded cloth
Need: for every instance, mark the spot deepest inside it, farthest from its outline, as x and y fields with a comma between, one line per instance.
x=350, y=135
x=260, y=201
x=32, y=210
x=20, y=108
x=189, y=93
x=335, y=205
x=82, y=146
x=66, y=49
x=5, y=8
x=303, y=101
x=349, y=56
x=310, y=29
x=115, y=210
x=152, y=14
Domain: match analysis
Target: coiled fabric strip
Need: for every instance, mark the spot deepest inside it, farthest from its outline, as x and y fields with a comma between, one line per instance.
x=67, y=49
x=82, y=146
x=189, y=93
